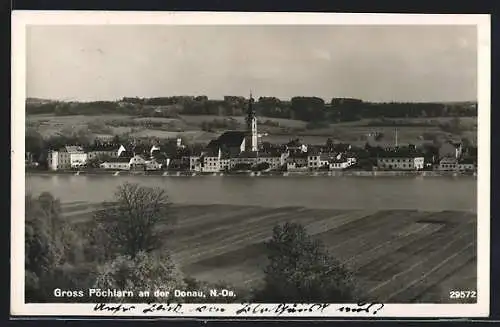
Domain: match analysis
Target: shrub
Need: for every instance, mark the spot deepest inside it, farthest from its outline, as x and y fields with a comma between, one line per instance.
x=301, y=270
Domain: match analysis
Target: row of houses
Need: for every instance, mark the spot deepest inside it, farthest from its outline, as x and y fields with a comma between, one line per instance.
x=116, y=157
x=229, y=152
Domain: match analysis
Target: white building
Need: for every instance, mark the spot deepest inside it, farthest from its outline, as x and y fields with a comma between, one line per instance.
x=153, y=164
x=59, y=159
x=397, y=161
x=78, y=157
x=116, y=164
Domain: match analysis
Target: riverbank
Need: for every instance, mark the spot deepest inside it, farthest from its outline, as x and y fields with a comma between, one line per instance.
x=392, y=173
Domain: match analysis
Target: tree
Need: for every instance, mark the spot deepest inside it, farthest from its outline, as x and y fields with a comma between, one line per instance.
x=301, y=270
x=142, y=272
x=136, y=221
x=48, y=244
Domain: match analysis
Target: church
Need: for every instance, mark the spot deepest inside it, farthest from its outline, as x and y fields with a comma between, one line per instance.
x=236, y=142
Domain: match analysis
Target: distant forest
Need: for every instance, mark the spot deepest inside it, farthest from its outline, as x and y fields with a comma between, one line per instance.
x=310, y=109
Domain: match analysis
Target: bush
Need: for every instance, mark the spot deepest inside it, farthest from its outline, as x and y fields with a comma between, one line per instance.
x=143, y=272
x=301, y=270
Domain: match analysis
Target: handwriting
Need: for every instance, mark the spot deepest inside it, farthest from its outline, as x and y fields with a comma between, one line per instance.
x=113, y=308
x=249, y=308
x=158, y=307
x=374, y=308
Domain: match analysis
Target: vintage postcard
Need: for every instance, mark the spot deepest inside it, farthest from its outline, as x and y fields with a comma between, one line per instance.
x=254, y=165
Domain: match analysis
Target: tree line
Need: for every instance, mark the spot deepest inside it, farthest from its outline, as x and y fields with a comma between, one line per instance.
x=126, y=246
x=310, y=109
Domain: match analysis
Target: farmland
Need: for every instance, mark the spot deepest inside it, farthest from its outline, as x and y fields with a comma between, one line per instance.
x=410, y=130
x=401, y=256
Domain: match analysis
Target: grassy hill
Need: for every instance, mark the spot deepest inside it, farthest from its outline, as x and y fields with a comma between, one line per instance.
x=203, y=128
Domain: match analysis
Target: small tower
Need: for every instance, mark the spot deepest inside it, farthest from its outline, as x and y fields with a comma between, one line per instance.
x=251, y=120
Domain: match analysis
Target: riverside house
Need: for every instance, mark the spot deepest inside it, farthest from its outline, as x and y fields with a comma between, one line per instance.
x=125, y=163
x=77, y=157
x=67, y=157
x=116, y=164
x=297, y=162
x=394, y=160
x=58, y=159
x=104, y=150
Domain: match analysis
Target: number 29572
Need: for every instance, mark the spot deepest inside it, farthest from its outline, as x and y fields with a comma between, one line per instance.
x=463, y=294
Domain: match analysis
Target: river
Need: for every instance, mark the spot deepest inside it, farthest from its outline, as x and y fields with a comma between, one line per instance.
x=385, y=193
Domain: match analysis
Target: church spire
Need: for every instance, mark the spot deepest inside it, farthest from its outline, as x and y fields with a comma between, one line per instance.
x=251, y=120
x=250, y=111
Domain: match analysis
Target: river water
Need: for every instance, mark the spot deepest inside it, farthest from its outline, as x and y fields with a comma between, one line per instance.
x=422, y=193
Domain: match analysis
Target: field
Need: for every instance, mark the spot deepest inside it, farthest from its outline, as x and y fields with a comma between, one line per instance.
x=401, y=256
x=189, y=127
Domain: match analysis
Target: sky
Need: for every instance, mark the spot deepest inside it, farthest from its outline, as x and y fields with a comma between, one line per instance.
x=372, y=63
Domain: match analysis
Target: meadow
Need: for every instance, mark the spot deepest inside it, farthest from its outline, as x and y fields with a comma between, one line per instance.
x=402, y=256
x=275, y=130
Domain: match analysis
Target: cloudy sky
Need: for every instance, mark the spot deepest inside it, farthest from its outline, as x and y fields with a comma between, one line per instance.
x=377, y=63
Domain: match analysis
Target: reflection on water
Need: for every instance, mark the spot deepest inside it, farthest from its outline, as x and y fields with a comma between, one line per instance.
x=429, y=193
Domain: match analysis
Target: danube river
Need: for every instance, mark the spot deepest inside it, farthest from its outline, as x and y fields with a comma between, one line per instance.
x=422, y=193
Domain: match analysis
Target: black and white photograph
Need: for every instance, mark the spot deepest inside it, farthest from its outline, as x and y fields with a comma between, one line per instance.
x=250, y=164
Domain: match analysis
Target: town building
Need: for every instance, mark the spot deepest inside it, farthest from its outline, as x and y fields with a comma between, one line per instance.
x=400, y=161
x=274, y=160
x=77, y=157
x=210, y=161
x=448, y=164
x=467, y=165
x=58, y=159
x=247, y=158
x=125, y=163
x=116, y=164
x=98, y=150
x=341, y=162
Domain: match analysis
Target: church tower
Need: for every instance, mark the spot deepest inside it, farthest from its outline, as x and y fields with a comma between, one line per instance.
x=251, y=120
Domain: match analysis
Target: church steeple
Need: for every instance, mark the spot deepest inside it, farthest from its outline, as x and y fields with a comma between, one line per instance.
x=251, y=120
x=250, y=112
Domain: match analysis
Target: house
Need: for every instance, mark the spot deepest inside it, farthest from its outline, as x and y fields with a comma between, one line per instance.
x=274, y=160
x=137, y=162
x=122, y=163
x=210, y=161
x=448, y=164
x=59, y=159
x=77, y=157
x=297, y=160
x=313, y=160
x=104, y=150
x=450, y=149
x=395, y=160
x=153, y=165
x=225, y=162
x=467, y=164
x=341, y=162
x=116, y=164
x=244, y=158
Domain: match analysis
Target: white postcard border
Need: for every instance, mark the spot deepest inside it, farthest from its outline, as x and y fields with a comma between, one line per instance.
x=20, y=20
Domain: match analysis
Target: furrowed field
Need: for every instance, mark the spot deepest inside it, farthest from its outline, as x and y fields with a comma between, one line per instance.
x=398, y=255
